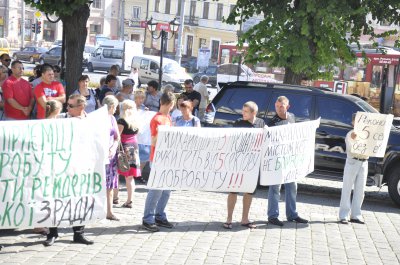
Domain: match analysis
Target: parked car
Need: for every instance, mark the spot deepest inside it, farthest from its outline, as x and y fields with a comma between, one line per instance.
x=149, y=67
x=87, y=52
x=56, y=43
x=307, y=103
x=53, y=56
x=230, y=72
x=4, y=46
x=190, y=64
x=211, y=72
x=114, y=52
x=30, y=54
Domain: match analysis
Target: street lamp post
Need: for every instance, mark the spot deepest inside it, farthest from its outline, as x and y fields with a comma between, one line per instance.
x=152, y=27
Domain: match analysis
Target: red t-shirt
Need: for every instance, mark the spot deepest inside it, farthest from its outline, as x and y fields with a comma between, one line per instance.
x=54, y=89
x=21, y=91
x=158, y=119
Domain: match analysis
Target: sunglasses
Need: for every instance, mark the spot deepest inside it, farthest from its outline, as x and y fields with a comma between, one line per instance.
x=71, y=106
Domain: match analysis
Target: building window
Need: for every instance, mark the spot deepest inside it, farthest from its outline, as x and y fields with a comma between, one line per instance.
x=136, y=12
x=96, y=4
x=157, y=6
x=231, y=8
x=192, y=9
x=202, y=43
x=214, y=50
x=178, y=10
x=95, y=29
x=167, y=6
x=220, y=8
x=206, y=8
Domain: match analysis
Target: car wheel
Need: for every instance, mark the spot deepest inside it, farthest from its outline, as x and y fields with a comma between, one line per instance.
x=41, y=61
x=394, y=185
x=31, y=60
x=196, y=79
x=90, y=67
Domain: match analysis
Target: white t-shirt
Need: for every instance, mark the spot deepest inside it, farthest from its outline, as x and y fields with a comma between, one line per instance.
x=202, y=89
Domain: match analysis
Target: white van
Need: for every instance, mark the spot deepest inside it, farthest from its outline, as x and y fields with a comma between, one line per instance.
x=114, y=52
x=149, y=66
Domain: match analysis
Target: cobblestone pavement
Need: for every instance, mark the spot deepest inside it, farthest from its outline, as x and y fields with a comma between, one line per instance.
x=199, y=238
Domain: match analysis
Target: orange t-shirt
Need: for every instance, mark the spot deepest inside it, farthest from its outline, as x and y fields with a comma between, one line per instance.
x=158, y=119
x=54, y=89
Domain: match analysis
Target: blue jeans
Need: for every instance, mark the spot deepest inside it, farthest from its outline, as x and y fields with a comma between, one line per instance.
x=290, y=200
x=355, y=174
x=154, y=207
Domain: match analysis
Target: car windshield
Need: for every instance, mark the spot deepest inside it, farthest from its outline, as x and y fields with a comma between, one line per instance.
x=172, y=68
x=211, y=70
x=89, y=49
x=42, y=50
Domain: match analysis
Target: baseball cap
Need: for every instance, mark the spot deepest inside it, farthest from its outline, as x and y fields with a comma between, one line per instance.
x=128, y=82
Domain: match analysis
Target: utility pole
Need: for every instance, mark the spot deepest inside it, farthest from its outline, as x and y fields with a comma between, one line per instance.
x=178, y=55
x=122, y=20
x=23, y=25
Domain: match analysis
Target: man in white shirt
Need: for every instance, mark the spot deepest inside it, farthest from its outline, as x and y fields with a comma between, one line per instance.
x=201, y=87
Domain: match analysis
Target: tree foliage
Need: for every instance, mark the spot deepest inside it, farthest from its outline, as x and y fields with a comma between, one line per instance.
x=305, y=35
x=74, y=15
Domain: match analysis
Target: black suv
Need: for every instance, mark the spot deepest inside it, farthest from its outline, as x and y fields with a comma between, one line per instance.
x=309, y=103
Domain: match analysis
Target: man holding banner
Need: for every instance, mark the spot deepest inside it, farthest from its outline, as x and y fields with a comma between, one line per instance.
x=283, y=117
x=76, y=109
x=156, y=200
x=249, y=120
x=368, y=139
x=355, y=173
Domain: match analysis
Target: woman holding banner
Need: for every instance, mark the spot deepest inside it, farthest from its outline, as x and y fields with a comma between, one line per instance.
x=111, y=169
x=128, y=128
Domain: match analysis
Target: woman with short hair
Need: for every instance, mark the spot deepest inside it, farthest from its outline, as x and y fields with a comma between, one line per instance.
x=88, y=93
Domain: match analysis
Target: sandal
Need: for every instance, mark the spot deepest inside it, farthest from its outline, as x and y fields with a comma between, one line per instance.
x=116, y=201
x=112, y=218
x=227, y=225
x=250, y=225
x=127, y=205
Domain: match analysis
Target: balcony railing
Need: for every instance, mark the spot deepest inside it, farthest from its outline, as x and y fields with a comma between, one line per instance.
x=191, y=20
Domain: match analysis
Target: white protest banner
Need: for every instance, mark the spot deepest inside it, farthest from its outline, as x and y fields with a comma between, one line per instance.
x=52, y=172
x=372, y=131
x=288, y=152
x=208, y=159
x=144, y=118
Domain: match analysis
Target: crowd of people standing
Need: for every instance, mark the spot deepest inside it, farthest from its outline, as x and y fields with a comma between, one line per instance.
x=43, y=97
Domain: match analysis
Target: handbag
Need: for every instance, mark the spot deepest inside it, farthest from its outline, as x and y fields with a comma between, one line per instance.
x=123, y=161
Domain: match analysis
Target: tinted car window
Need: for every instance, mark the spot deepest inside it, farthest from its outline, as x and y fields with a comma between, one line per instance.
x=107, y=53
x=233, y=99
x=300, y=105
x=116, y=54
x=335, y=111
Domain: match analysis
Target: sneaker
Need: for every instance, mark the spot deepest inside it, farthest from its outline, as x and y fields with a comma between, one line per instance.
x=164, y=223
x=300, y=220
x=275, y=221
x=150, y=227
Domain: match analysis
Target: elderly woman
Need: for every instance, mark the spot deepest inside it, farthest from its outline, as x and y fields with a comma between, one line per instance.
x=187, y=119
x=89, y=94
x=128, y=128
x=111, y=169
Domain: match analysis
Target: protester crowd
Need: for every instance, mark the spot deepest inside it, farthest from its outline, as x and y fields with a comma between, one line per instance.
x=43, y=97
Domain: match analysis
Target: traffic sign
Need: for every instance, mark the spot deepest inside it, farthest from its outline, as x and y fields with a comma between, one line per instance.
x=38, y=14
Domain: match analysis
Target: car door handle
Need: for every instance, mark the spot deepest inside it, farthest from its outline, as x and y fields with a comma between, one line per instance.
x=323, y=133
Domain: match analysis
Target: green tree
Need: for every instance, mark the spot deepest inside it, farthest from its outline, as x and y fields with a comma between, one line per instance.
x=305, y=35
x=74, y=15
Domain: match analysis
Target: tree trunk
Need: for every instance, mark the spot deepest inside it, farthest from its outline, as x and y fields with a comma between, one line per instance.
x=291, y=77
x=74, y=27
